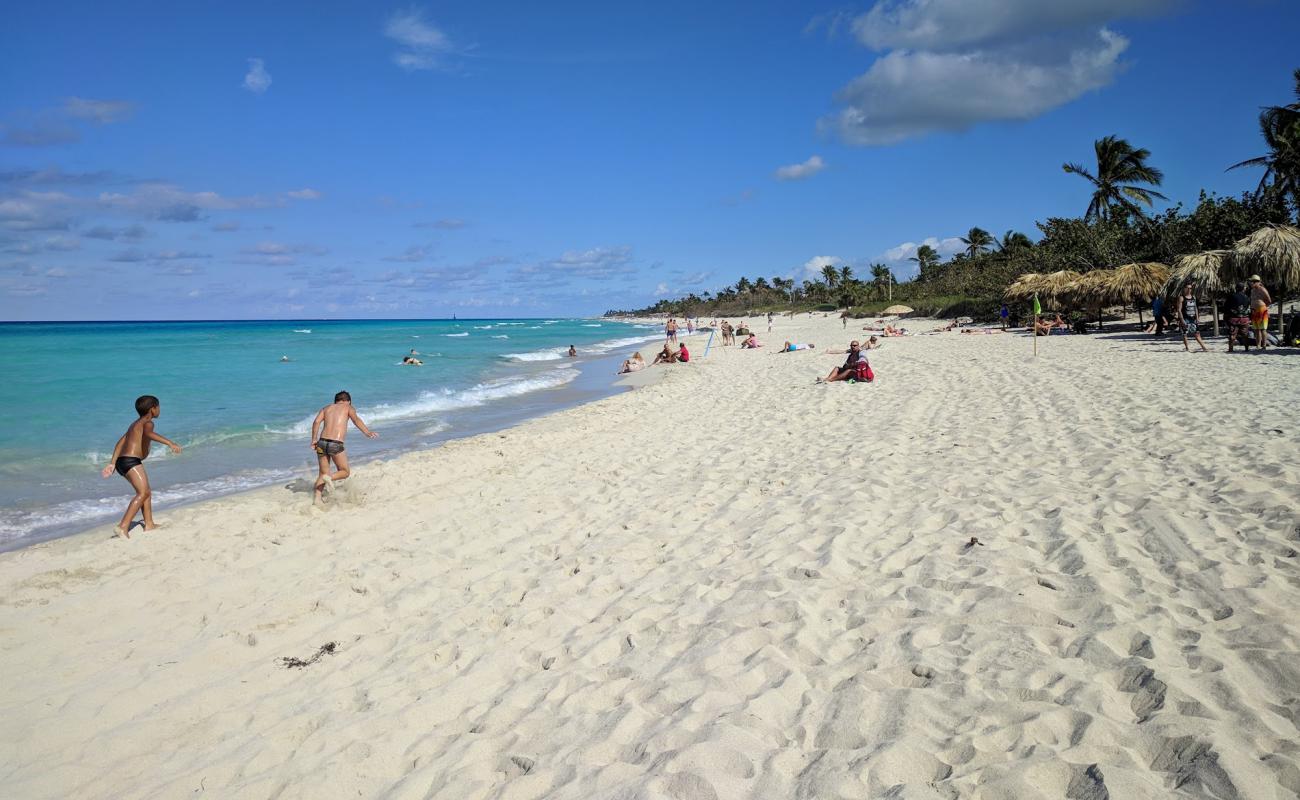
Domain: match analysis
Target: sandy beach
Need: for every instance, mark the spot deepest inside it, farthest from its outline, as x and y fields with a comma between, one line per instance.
x=728, y=583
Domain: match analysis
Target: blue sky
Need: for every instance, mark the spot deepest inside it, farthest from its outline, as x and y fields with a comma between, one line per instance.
x=239, y=160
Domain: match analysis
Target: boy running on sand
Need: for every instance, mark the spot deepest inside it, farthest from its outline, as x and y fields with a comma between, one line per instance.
x=329, y=445
x=128, y=460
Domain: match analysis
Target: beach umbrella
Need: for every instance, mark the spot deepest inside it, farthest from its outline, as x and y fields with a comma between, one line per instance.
x=1024, y=287
x=899, y=309
x=1273, y=251
x=1092, y=289
x=1132, y=283
x=1204, y=270
x=1058, y=285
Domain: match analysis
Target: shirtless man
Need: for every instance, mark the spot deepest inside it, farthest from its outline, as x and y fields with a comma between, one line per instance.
x=128, y=460
x=670, y=330
x=329, y=445
x=1260, y=300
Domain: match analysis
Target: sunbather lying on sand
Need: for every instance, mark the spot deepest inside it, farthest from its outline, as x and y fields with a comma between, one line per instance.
x=790, y=347
x=983, y=330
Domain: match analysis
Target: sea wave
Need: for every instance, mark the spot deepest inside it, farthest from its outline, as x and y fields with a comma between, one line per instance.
x=597, y=349
x=454, y=335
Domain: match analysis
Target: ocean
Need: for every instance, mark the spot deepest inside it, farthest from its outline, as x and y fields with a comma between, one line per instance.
x=243, y=414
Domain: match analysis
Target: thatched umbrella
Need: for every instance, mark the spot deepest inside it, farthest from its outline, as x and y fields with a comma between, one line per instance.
x=1024, y=287
x=899, y=310
x=1058, y=285
x=1092, y=289
x=1206, y=271
x=1274, y=252
x=1133, y=283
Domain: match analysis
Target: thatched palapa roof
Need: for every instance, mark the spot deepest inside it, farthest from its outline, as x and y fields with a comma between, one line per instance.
x=1133, y=282
x=1207, y=271
x=1273, y=251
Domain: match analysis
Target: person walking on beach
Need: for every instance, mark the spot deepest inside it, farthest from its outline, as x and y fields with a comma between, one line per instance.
x=1260, y=300
x=1239, y=317
x=1187, y=315
x=128, y=461
x=671, y=330
x=331, y=423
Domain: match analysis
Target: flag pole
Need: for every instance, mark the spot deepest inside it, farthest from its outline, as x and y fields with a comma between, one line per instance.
x=1037, y=310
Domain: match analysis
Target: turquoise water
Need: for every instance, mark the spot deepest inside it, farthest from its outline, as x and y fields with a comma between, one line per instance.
x=241, y=413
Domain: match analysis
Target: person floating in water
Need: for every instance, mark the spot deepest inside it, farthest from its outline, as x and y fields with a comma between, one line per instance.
x=128, y=460
x=331, y=423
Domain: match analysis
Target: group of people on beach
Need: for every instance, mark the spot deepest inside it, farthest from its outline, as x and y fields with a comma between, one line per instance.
x=329, y=429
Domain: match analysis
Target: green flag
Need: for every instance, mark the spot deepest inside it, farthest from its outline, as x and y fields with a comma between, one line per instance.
x=1038, y=309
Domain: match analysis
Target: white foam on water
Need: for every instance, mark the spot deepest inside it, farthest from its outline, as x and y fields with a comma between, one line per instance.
x=591, y=325
x=304, y=330
x=444, y=400
x=500, y=336
x=454, y=335
x=557, y=353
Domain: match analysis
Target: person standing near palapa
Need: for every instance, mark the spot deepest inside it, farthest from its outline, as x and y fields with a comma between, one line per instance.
x=1239, y=317
x=1260, y=300
x=1187, y=315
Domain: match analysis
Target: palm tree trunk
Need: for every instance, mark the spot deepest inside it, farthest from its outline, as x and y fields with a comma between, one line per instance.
x=1216, y=316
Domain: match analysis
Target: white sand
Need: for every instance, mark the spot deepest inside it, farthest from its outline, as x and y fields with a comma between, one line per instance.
x=730, y=583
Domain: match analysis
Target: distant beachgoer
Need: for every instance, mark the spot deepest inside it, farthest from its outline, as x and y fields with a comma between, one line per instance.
x=331, y=423
x=1005, y=314
x=1239, y=317
x=284, y=359
x=665, y=356
x=1260, y=300
x=850, y=367
x=683, y=355
x=1158, y=314
x=844, y=319
x=414, y=352
x=890, y=330
x=670, y=330
x=1187, y=316
x=690, y=326
x=128, y=461
x=728, y=335
x=791, y=347
x=412, y=361
x=769, y=322
x=751, y=343
x=573, y=351
x=873, y=343
x=634, y=364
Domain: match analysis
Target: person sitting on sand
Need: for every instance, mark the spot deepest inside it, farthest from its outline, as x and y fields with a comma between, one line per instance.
x=331, y=423
x=128, y=461
x=573, y=351
x=850, y=367
x=683, y=355
x=751, y=343
x=790, y=347
x=665, y=356
x=872, y=344
x=634, y=364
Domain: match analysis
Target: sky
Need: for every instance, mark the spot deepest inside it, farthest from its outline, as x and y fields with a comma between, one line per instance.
x=371, y=160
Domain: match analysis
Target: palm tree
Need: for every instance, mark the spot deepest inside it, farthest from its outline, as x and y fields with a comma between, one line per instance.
x=1013, y=241
x=760, y=283
x=1280, y=127
x=882, y=278
x=977, y=240
x=1119, y=167
x=742, y=285
x=846, y=276
x=926, y=258
x=831, y=276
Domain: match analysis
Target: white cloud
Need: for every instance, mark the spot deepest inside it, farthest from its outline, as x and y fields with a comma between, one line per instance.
x=813, y=266
x=661, y=290
x=410, y=255
x=100, y=112
x=598, y=263
x=257, y=80
x=807, y=169
x=939, y=25
x=948, y=65
x=304, y=194
x=422, y=43
x=907, y=94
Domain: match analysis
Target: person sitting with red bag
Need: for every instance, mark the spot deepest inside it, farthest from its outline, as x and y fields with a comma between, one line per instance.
x=855, y=366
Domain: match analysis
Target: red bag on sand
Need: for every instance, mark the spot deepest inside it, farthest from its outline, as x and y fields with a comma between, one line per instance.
x=864, y=372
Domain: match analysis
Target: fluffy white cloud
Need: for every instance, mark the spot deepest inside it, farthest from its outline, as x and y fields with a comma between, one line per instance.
x=304, y=194
x=598, y=263
x=813, y=266
x=257, y=80
x=806, y=169
x=951, y=64
x=907, y=93
x=421, y=42
x=940, y=25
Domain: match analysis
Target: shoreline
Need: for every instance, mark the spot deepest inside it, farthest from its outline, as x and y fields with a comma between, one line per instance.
x=597, y=379
x=729, y=583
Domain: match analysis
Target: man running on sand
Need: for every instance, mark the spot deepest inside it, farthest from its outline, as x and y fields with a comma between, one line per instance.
x=128, y=460
x=329, y=445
